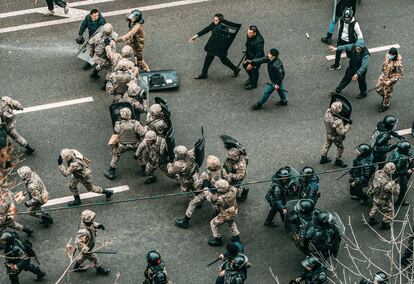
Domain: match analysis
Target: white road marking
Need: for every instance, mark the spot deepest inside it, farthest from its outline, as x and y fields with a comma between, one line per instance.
x=83, y=196
x=404, y=131
x=77, y=17
x=55, y=105
x=371, y=50
x=44, y=9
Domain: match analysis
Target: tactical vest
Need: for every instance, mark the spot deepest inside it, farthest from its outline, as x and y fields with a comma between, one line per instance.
x=127, y=134
x=352, y=36
x=329, y=121
x=232, y=276
x=90, y=231
x=121, y=79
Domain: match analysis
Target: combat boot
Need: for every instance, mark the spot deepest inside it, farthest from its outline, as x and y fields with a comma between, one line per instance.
x=94, y=74
x=215, y=242
x=27, y=231
x=244, y=194
x=104, y=85
x=108, y=193
x=78, y=267
x=86, y=66
x=110, y=174
x=236, y=73
x=341, y=163
x=101, y=270
x=183, y=223
x=385, y=226
x=40, y=275
x=325, y=160
x=270, y=224
x=75, y=202
x=327, y=39
x=256, y=106
x=382, y=108
x=29, y=149
x=150, y=180
x=373, y=221
x=46, y=221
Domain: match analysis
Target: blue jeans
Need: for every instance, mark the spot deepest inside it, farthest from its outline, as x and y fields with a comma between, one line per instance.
x=268, y=90
x=332, y=25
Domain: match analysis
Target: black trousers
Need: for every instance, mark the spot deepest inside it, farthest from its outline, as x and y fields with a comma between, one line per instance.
x=26, y=266
x=209, y=59
x=272, y=214
x=60, y=3
x=357, y=190
x=338, y=53
x=253, y=74
x=362, y=82
x=403, y=182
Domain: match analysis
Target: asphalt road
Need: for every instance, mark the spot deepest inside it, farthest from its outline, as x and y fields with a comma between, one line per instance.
x=38, y=67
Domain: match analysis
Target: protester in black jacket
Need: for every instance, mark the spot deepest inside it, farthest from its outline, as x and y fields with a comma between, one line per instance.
x=254, y=50
x=276, y=75
x=209, y=46
x=93, y=21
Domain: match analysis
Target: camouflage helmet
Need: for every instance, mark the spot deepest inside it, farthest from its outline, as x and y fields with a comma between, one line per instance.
x=123, y=64
x=24, y=172
x=107, y=29
x=127, y=51
x=234, y=154
x=66, y=154
x=222, y=185
x=125, y=113
x=156, y=110
x=213, y=163
x=180, y=151
x=134, y=89
x=88, y=216
x=150, y=135
x=389, y=168
x=336, y=107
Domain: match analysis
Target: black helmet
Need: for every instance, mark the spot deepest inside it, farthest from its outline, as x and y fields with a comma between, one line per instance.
x=311, y=262
x=347, y=15
x=364, y=150
x=160, y=278
x=153, y=258
x=390, y=122
x=304, y=207
x=403, y=147
x=239, y=261
x=137, y=15
x=307, y=172
x=380, y=278
x=7, y=237
x=322, y=219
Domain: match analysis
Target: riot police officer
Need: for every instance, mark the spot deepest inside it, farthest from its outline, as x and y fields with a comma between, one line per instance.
x=381, y=139
x=314, y=272
x=406, y=258
x=276, y=196
x=155, y=273
x=404, y=163
x=309, y=184
x=361, y=172
x=231, y=271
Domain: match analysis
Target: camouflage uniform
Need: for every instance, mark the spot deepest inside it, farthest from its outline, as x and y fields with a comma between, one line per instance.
x=8, y=212
x=183, y=167
x=129, y=131
x=392, y=71
x=85, y=241
x=383, y=188
x=38, y=195
x=136, y=97
x=227, y=207
x=99, y=47
x=335, y=131
x=115, y=57
x=119, y=80
x=151, y=153
x=8, y=119
x=79, y=167
x=155, y=120
x=235, y=168
x=135, y=38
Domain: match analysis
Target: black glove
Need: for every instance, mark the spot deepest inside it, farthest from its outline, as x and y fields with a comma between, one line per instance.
x=60, y=160
x=27, y=204
x=107, y=41
x=135, y=157
x=80, y=40
x=102, y=227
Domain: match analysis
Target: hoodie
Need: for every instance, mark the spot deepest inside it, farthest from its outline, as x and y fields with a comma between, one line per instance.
x=349, y=32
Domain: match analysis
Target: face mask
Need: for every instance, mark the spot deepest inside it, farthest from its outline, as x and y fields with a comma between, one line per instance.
x=391, y=57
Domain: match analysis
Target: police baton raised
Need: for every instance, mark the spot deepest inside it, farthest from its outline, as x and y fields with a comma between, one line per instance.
x=214, y=261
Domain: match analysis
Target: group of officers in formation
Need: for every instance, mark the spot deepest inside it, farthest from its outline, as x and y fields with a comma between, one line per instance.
x=317, y=233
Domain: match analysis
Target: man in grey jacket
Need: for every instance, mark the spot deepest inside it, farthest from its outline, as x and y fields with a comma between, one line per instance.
x=357, y=69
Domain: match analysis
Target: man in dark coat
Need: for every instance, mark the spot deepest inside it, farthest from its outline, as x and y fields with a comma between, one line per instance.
x=209, y=46
x=254, y=50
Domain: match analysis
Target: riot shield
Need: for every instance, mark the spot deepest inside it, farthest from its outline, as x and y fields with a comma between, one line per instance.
x=170, y=140
x=336, y=220
x=346, y=111
x=114, y=110
x=230, y=142
x=222, y=38
x=199, y=149
x=161, y=80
